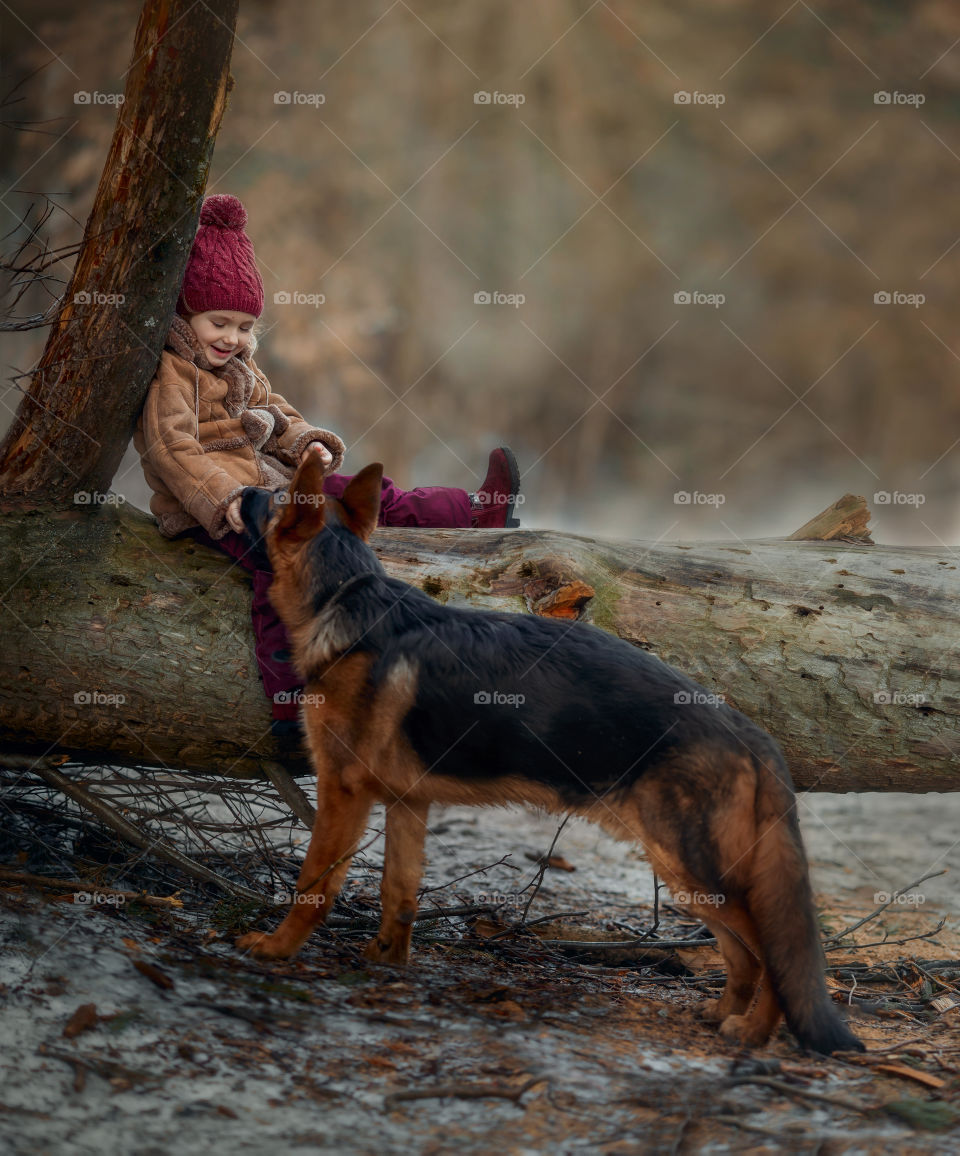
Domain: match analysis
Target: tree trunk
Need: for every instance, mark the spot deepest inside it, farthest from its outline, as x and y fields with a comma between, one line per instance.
x=83, y=399
x=846, y=653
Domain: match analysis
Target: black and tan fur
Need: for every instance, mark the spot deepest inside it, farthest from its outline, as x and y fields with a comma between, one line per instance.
x=600, y=733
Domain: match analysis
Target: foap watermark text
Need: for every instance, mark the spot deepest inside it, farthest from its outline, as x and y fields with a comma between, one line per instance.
x=498, y=698
x=697, y=698
x=298, y=698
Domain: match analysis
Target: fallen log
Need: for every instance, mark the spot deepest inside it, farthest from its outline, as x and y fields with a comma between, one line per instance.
x=125, y=648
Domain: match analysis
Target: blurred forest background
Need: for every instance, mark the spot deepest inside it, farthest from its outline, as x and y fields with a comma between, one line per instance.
x=598, y=198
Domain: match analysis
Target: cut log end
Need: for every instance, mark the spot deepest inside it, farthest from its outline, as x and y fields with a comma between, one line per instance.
x=845, y=521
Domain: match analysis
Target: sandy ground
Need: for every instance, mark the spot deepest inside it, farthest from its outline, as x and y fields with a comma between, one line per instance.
x=214, y=1052
x=861, y=844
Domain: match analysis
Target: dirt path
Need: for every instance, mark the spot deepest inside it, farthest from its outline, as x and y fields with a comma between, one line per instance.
x=228, y=1055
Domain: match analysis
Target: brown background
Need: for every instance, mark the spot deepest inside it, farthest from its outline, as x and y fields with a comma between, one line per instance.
x=505, y=197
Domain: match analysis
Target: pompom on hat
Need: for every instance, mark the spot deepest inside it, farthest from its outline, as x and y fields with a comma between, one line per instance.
x=222, y=271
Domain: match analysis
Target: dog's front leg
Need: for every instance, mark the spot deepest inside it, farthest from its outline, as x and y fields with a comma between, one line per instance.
x=338, y=828
x=402, y=869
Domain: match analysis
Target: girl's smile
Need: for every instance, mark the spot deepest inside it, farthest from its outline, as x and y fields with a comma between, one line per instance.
x=222, y=333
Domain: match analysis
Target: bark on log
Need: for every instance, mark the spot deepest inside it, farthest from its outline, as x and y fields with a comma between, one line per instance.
x=847, y=654
x=68, y=435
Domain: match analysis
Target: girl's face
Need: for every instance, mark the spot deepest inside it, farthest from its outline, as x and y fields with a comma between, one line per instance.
x=222, y=333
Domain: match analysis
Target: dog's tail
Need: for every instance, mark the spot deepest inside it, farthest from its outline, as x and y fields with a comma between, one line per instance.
x=780, y=900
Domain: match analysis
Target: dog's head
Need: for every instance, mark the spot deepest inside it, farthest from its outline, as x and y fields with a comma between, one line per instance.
x=284, y=521
x=313, y=541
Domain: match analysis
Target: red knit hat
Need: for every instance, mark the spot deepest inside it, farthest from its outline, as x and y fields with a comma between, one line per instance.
x=221, y=272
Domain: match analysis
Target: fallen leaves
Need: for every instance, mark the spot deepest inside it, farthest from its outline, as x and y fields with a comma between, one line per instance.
x=82, y=1020
x=557, y=862
x=154, y=974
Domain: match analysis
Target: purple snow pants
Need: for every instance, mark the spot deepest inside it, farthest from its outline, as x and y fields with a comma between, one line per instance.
x=437, y=506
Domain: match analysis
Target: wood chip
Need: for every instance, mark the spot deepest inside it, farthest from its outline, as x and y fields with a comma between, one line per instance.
x=507, y=1009
x=568, y=601
x=154, y=974
x=82, y=1020
x=908, y=1073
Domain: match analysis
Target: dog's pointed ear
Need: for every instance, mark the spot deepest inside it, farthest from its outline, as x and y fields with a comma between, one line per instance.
x=303, y=510
x=361, y=500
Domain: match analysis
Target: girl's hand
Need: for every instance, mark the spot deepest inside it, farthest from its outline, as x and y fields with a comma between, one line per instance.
x=234, y=521
x=326, y=457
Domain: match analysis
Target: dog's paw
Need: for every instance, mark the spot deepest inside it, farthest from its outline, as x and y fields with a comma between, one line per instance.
x=712, y=1011
x=394, y=953
x=263, y=946
x=742, y=1030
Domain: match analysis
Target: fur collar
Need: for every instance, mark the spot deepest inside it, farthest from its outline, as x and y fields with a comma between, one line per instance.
x=238, y=374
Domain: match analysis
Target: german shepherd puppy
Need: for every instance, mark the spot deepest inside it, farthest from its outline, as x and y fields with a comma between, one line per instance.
x=417, y=703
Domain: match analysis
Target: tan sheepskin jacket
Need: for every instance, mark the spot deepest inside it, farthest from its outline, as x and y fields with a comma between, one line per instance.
x=204, y=434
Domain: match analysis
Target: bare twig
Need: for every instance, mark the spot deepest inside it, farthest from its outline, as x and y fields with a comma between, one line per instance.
x=802, y=1093
x=464, y=1092
x=885, y=942
x=165, y=903
x=291, y=793
x=518, y=927
x=336, y=863
x=883, y=906
x=618, y=944
x=736, y=1122
x=656, y=903
x=544, y=864
x=932, y=978
x=501, y=862
x=365, y=922
x=106, y=1069
x=889, y=1048
x=156, y=845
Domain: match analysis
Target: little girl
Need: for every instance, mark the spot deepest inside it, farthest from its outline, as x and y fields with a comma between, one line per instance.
x=212, y=426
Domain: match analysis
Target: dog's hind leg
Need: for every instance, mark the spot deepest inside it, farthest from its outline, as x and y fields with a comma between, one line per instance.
x=742, y=964
x=754, y=1027
x=702, y=863
x=338, y=828
x=402, y=869
x=748, y=1011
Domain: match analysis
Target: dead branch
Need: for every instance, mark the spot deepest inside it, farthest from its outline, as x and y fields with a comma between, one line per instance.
x=291, y=793
x=106, y=1069
x=464, y=1092
x=786, y=1089
x=834, y=939
x=887, y=942
x=108, y=815
x=626, y=944
x=165, y=903
x=544, y=864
